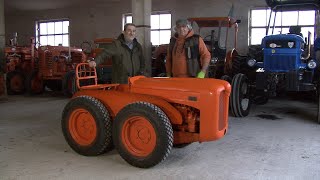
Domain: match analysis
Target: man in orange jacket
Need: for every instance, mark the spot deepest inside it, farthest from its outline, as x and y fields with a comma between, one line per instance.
x=187, y=54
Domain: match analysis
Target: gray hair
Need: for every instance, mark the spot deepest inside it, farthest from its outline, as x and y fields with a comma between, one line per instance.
x=128, y=24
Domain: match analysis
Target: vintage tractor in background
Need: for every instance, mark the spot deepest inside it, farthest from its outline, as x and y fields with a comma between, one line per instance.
x=158, y=63
x=104, y=70
x=226, y=63
x=56, y=69
x=20, y=62
x=286, y=66
x=145, y=118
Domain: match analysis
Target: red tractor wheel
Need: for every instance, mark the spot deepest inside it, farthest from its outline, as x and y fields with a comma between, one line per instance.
x=142, y=134
x=86, y=126
x=34, y=83
x=15, y=83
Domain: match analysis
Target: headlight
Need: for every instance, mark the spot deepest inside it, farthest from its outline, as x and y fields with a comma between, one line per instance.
x=251, y=62
x=214, y=60
x=312, y=64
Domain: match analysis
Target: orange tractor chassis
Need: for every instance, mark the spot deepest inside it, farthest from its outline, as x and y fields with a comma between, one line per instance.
x=145, y=118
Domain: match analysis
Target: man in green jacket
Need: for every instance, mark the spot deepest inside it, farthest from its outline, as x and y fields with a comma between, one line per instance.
x=126, y=54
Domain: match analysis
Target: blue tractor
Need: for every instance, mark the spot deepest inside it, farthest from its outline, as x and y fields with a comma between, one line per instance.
x=287, y=65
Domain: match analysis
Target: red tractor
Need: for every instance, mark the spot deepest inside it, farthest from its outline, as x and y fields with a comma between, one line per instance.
x=20, y=62
x=145, y=118
x=56, y=65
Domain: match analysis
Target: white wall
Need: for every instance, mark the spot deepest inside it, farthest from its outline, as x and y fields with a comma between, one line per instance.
x=105, y=19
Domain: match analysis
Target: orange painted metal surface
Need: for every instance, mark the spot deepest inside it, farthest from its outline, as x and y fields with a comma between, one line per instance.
x=20, y=58
x=55, y=62
x=195, y=107
x=83, y=127
x=139, y=136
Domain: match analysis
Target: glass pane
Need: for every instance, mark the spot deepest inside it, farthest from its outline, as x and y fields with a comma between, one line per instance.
x=155, y=38
x=259, y=18
x=155, y=24
x=58, y=40
x=50, y=27
x=58, y=27
x=272, y=17
x=43, y=40
x=65, y=41
x=165, y=21
x=305, y=30
x=279, y=19
x=43, y=29
x=128, y=19
x=276, y=31
x=290, y=18
x=285, y=30
x=65, y=27
x=165, y=36
x=310, y=20
x=51, y=40
x=257, y=34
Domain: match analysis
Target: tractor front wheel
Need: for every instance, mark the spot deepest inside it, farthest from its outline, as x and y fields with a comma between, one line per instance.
x=69, y=86
x=318, y=114
x=34, y=83
x=240, y=101
x=142, y=134
x=15, y=83
x=87, y=126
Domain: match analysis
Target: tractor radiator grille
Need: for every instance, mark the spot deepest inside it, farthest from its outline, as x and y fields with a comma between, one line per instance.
x=222, y=113
x=279, y=62
x=49, y=60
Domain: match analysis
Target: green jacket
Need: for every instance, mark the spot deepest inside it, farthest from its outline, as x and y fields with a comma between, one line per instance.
x=126, y=62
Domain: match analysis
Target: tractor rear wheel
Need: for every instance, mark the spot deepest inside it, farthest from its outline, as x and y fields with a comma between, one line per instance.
x=86, y=126
x=15, y=83
x=318, y=114
x=142, y=134
x=226, y=78
x=34, y=83
x=240, y=101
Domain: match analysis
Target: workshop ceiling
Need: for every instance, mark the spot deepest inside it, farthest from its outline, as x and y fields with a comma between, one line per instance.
x=32, y=5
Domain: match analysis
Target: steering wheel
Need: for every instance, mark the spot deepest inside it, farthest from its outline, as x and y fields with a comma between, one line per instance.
x=86, y=47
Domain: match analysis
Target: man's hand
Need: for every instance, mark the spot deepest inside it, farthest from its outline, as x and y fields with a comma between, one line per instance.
x=201, y=74
x=92, y=64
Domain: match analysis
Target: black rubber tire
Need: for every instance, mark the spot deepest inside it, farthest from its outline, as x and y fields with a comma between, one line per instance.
x=28, y=83
x=226, y=78
x=103, y=142
x=163, y=130
x=10, y=75
x=240, y=93
x=69, y=86
x=181, y=145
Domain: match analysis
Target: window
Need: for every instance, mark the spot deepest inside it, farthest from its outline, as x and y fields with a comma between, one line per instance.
x=160, y=27
x=52, y=33
x=260, y=17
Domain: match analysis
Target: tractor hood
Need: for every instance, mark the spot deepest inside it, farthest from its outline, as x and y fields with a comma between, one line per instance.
x=179, y=89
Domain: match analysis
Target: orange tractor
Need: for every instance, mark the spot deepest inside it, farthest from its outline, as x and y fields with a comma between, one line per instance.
x=56, y=65
x=20, y=62
x=145, y=118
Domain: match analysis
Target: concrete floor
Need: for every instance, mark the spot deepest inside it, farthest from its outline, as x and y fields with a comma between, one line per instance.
x=286, y=146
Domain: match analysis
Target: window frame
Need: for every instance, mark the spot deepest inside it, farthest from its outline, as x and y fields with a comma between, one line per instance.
x=152, y=30
x=276, y=26
x=38, y=35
